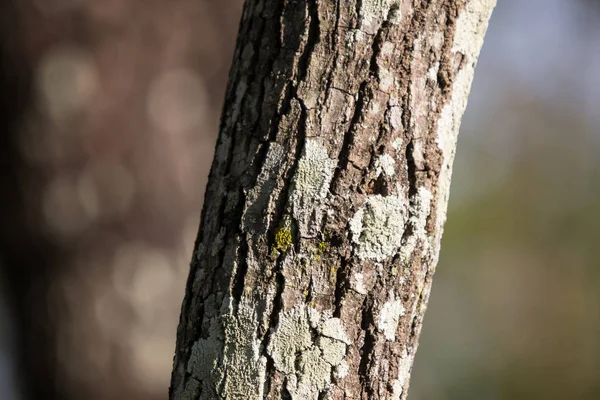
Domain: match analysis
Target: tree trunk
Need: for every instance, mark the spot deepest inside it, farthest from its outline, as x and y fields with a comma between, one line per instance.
x=326, y=199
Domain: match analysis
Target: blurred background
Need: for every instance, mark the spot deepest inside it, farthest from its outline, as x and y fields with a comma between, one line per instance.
x=108, y=118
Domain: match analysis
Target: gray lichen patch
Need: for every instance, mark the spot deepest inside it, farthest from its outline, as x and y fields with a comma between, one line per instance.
x=358, y=283
x=293, y=335
x=419, y=210
x=260, y=198
x=245, y=375
x=315, y=170
x=332, y=351
x=333, y=328
x=389, y=316
x=432, y=72
x=229, y=359
x=386, y=80
x=372, y=13
x=378, y=226
x=308, y=347
x=315, y=372
x=401, y=382
x=204, y=360
x=311, y=183
x=471, y=26
x=354, y=36
x=385, y=164
x=397, y=143
x=341, y=370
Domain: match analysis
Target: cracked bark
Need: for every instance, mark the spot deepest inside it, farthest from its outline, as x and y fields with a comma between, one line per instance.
x=326, y=199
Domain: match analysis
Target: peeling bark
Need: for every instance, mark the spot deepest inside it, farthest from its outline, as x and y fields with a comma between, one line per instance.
x=326, y=199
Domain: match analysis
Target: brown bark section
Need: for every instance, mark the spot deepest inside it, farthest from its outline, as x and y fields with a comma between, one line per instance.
x=367, y=80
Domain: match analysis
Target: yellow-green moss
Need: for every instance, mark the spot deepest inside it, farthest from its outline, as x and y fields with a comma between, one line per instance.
x=322, y=247
x=283, y=239
x=332, y=274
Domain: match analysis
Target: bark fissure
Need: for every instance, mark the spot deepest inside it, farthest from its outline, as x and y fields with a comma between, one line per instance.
x=367, y=350
x=280, y=278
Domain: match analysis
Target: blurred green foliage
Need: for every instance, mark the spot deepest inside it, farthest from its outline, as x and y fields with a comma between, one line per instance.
x=515, y=306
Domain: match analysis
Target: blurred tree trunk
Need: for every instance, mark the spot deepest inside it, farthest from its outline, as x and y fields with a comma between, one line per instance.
x=326, y=200
x=57, y=147
x=27, y=258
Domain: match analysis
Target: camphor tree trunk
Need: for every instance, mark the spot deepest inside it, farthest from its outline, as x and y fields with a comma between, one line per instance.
x=326, y=200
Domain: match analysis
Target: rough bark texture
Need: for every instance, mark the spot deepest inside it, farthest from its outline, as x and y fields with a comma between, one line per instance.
x=326, y=200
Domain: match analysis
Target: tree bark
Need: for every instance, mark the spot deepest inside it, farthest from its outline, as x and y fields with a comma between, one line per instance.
x=326, y=199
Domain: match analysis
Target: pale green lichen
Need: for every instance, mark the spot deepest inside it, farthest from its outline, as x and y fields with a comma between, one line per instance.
x=246, y=368
x=314, y=317
x=389, y=316
x=372, y=13
x=396, y=390
x=359, y=283
x=386, y=79
x=471, y=25
x=385, y=164
x=306, y=359
x=333, y=328
x=293, y=335
x=332, y=351
x=229, y=360
x=354, y=36
x=387, y=49
x=315, y=371
x=341, y=370
x=311, y=185
x=432, y=72
x=378, y=226
x=404, y=365
x=204, y=359
x=315, y=170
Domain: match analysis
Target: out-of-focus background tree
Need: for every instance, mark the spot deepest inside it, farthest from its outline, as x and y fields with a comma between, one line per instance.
x=108, y=117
